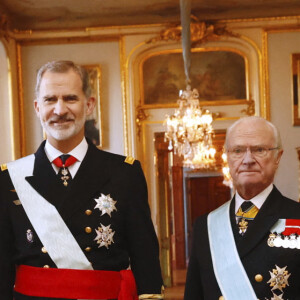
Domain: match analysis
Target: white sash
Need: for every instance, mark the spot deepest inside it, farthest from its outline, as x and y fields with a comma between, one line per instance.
x=47, y=222
x=229, y=270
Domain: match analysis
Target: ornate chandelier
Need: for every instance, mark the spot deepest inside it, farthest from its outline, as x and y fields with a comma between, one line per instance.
x=225, y=170
x=189, y=129
x=190, y=133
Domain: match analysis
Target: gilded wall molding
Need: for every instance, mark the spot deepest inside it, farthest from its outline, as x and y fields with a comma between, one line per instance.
x=250, y=110
x=4, y=27
x=265, y=59
x=201, y=32
x=141, y=116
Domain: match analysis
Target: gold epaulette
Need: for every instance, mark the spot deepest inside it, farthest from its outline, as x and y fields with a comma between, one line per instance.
x=3, y=167
x=153, y=296
x=129, y=160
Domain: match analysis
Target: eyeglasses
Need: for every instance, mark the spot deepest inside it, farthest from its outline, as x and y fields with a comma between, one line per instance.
x=256, y=151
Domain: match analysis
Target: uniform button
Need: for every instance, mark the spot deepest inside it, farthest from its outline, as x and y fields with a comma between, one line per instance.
x=88, y=229
x=44, y=250
x=88, y=249
x=258, y=278
x=221, y=298
x=88, y=212
x=46, y=266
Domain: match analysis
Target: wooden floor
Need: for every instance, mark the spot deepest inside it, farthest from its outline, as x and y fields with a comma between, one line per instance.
x=174, y=293
x=177, y=290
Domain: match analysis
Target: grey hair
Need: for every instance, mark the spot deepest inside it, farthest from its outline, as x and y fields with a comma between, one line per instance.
x=254, y=118
x=63, y=66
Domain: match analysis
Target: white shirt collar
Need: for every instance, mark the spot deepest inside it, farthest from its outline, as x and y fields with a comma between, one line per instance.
x=78, y=152
x=258, y=200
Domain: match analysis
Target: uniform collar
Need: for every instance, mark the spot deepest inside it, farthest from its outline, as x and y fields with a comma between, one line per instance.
x=78, y=152
x=258, y=200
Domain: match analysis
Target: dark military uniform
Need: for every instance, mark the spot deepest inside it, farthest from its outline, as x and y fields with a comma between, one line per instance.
x=134, y=241
x=257, y=257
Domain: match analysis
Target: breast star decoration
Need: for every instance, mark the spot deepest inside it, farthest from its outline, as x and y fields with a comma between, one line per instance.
x=275, y=297
x=105, y=204
x=279, y=278
x=104, y=236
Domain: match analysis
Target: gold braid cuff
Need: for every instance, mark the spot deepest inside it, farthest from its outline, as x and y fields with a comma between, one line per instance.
x=153, y=296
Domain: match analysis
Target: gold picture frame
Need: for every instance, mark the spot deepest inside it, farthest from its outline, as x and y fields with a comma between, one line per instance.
x=220, y=76
x=93, y=124
x=296, y=88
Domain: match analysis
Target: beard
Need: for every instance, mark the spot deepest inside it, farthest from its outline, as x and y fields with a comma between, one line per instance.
x=65, y=131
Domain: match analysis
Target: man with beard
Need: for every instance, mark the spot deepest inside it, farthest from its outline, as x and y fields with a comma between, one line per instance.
x=74, y=220
x=249, y=248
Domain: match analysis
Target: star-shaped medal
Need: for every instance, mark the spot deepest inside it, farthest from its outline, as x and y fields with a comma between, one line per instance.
x=275, y=297
x=279, y=278
x=104, y=236
x=105, y=204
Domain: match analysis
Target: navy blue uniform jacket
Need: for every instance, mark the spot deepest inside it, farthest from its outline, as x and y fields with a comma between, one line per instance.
x=256, y=256
x=135, y=241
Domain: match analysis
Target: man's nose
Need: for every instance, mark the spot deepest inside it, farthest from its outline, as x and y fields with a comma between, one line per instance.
x=248, y=157
x=60, y=107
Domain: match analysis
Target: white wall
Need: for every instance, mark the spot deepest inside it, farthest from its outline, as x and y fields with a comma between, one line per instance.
x=104, y=53
x=281, y=46
x=6, y=154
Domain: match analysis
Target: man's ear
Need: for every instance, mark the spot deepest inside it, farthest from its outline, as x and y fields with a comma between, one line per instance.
x=279, y=154
x=91, y=103
x=36, y=107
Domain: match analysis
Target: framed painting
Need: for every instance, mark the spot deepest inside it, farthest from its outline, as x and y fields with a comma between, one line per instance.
x=93, y=124
x=220, y=76
x=296, y=88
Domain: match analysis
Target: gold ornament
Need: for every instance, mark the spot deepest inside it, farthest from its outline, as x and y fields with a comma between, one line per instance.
x=104, y=236
x=279, y=278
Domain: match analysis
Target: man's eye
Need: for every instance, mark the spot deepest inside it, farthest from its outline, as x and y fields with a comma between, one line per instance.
x=49, y=99
x=237, y=150
x=70, y=98
x=259, y=150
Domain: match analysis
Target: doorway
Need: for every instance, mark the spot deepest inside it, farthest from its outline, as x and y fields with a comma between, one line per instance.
x=184, y=194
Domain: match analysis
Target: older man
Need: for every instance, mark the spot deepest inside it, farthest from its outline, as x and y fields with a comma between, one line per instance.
x=74, y=219
x=249, y=248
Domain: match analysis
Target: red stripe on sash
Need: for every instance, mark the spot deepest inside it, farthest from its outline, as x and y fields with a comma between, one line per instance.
x=78, y=284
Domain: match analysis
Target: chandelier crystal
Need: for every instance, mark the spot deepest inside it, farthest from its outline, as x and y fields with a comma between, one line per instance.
x=189, y=132
x=226, y=173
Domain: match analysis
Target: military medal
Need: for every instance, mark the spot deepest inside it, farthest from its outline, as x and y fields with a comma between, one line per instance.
x=279, y=278
x=244, y=215
x=105, y=204
x=65, y=176
x=271, y=239
x=285, y=234
x=278, y=241
x=29, y=236
x=104, y=236
x=63, y=162
x=243, y=225
x=275, y=297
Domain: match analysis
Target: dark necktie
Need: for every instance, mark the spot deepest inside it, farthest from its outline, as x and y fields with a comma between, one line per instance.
x=246, y=214
x=63, y=162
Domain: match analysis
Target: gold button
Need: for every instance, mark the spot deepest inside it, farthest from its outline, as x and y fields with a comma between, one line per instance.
x=221, y=298
x=46, y=266
x=88, y=229
x=44, y=250
x=88, y=212
x=258, y=278
x=88, y=249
